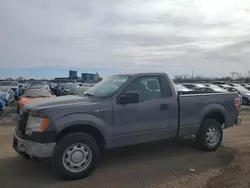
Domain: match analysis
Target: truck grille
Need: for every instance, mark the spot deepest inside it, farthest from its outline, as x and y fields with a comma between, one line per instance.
x=22, y=120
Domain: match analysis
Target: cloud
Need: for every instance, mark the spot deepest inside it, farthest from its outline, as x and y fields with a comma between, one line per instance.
x=126, y=35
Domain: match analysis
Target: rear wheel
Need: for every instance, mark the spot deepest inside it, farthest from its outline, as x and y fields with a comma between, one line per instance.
x=75, y=156
x=210, y=135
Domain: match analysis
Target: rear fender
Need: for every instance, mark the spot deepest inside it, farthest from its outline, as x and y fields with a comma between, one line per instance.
x=211, y=108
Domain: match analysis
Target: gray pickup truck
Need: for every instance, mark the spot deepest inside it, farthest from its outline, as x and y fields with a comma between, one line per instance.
x=119, y=111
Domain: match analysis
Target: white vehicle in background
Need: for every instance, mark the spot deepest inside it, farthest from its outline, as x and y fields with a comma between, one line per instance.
x=245, y=94
x=193, y=86
x=75, y=88
x=80, y=90
x=212, y=88
x=231, y=88
x=181, y=88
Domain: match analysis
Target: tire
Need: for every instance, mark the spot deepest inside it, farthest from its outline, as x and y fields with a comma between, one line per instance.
x=245, y=101
x=67, y=150
x=17, y=109
x=23, y=155
x=210, y=135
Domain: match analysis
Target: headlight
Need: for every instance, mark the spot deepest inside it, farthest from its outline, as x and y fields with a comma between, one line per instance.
x=36, y=124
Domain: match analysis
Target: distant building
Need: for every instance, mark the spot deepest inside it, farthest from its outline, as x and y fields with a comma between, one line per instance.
x=61, y=79
x=89, y=78
x=73, y=75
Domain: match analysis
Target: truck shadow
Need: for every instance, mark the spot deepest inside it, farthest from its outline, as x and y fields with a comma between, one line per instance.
x=147, y=163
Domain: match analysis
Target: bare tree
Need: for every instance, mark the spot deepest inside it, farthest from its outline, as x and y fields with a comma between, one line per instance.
x=235, y=75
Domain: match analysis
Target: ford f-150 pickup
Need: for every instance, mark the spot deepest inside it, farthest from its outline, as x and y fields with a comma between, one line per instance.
x=120, y=110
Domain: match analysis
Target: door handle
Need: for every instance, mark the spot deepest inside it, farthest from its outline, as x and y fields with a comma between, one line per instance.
x=164, y=107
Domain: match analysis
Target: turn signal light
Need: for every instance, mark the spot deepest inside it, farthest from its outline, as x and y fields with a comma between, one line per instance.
x=44, y=124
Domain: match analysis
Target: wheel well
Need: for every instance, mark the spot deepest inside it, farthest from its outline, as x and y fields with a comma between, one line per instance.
x=217, y=116
x=245, y=98
x=88, y=129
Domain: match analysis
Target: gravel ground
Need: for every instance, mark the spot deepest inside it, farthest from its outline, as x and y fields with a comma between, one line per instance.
x=156, y=165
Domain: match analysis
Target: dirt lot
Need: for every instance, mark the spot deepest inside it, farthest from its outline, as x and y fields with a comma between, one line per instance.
x=156, y=165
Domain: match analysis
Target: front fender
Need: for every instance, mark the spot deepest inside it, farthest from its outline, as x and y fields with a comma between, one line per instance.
x=81, y=119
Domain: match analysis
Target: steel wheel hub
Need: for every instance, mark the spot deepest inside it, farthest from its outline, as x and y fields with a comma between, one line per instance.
x=212, y=136
x=77, y=157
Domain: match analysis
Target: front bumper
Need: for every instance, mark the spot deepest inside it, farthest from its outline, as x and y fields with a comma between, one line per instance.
x=34, y=149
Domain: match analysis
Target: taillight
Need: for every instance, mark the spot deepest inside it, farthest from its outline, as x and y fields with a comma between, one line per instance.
x=237, y=103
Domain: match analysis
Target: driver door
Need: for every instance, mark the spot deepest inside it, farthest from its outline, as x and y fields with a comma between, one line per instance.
x=144, y=121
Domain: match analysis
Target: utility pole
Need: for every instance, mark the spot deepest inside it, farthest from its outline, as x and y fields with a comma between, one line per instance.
x=192, y=74
x=245, y=70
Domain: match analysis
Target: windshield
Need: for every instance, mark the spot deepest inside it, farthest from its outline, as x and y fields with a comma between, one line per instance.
x=8, y=83
x=33, y=93
x=107, y=87
x=242, y=89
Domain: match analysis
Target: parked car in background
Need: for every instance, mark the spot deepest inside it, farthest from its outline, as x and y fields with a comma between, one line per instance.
x=119, y=111
x=9, y=95
x=224, y=86
x=245, y=94
x=80, y=90
x=33, y=94
x=193, y=86
x=2, y=101
x=41, y=86
x=231, y=89
x=13, y=85
x=21, y=89
x=181, y=88
x=32, y=83
x=212, y=89
x=54, y=88
x=70, y=88
x=247, y=86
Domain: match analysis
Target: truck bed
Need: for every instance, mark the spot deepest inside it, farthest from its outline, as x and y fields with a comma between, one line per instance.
x=193, y=107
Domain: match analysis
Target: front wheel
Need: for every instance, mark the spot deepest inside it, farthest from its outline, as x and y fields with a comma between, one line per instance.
x=75, y=156
x=210, y=135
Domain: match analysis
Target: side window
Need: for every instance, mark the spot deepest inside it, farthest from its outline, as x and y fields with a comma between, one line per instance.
x=147, y=87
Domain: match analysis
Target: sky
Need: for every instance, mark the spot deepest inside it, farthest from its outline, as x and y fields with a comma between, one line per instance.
x=46, y=38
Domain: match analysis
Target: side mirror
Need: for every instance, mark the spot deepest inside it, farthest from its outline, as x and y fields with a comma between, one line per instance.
x=129, y=98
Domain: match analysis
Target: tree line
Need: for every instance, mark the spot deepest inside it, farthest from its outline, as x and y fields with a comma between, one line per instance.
x=232, y=77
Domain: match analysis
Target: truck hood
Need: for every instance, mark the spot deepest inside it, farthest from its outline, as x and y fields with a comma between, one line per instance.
x=58, y=101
